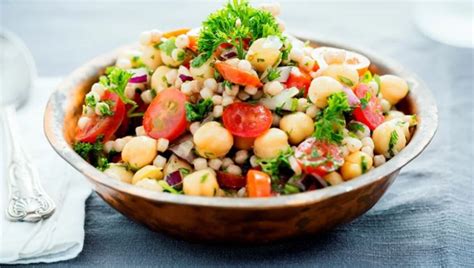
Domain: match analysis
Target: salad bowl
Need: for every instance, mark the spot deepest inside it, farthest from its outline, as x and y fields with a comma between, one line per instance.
x=253, y=220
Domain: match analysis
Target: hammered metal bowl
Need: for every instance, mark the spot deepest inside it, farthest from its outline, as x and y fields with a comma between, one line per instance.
x=253, y=220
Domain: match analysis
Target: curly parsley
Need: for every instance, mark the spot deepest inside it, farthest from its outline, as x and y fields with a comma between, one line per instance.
x=222, y=27
x=331, y=122
x=198, y=111
x=273, y=166
x=92, y=153
x=116, y=81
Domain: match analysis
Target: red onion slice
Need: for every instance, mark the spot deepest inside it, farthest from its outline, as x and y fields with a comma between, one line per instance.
x=175, y=179
x=351, y=97
x=140, y=75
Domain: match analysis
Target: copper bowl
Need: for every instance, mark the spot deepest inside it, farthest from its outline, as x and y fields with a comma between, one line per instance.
x=239, y=219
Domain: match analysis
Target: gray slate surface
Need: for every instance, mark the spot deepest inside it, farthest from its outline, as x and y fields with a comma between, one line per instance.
x=425, y=218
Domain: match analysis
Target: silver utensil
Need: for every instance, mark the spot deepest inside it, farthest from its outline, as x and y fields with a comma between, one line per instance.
x=27, y=199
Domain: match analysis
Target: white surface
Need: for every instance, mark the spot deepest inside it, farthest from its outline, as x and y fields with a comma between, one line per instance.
x=60, y=237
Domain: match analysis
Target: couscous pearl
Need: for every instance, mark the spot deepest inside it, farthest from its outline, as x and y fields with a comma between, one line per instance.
x=226, y=162
x=171, y=76
x=234, y=169
x=86, y=110
x=206, y=93
x=182, y=41
x=194, y=127
x=93, y=94
x=227, y=100
x=273, y=88
x=183, y=70
x=130, y=91
x=296, y=54
x=307, y=63
x=244, y=65
x=147, y=96
x=385, y=105
x=243, y=96
x=162, y=144
x=140, y=131
x=367, y=141
x=220, y=88
x=119, y=144
x=178, y=83
x=211, y=84
x=344, y=151
x=234, y=62
x=109, y=146
x=159, y=161
x=276, y=120
x=217, y=99
x=189, y=87
x=124, y=63
x=127, y=138
x=100, y=107
x=368, y=150
x=312, y=111
x=258, y=95
x=241, y=156
x=302, y=104
x=98, y=88
x=250, y=90
x=253, y=161
x=373, y=87
x=379, y=160
x=232, y=91
x=83, y=122
x=217, y=111
x=352, y=144
x=200, y=163
x=215, y=163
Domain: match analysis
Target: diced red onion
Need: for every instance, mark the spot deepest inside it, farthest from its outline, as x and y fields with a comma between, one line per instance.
x=229, y=55
x=351, y=97
x=185, y=78
x=183, y=148
x=140, y=75
x=175, y=179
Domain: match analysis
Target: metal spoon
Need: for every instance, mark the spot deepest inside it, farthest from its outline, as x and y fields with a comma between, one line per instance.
x=27, y=199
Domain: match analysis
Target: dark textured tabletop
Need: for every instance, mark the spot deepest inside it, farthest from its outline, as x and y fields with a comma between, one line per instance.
x=425, y=218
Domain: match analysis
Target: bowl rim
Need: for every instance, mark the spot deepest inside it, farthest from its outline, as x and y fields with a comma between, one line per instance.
x=419, y=93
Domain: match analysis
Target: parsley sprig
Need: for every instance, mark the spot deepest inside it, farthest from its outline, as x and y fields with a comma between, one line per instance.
x=331, y=122
x=92, y=153
x=116, y=81
x=198, y=111
x=221, y=27
x=273, y=166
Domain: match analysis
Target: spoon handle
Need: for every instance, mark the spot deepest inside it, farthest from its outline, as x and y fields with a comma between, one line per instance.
x=27, y=199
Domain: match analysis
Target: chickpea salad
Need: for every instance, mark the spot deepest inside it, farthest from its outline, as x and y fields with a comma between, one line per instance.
x=240, y=108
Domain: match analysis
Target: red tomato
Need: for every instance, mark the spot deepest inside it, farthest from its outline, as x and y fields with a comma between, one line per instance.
x=166, y=115
x=372, y=114
x=230, y=181
x=103, y=126
x=237, y=76
x=317, y=157
x=258, y=184
x=247, y=120
x=300, y=81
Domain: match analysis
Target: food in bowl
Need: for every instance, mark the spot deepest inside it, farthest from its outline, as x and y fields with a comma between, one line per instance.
x=239, y=108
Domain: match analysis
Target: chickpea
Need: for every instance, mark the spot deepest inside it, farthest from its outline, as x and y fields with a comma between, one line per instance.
x=203, y=72
x=393, y=88
x=355, y=165
x=158, y=79
x=386, y=132
x=149, y=184
x=139, y=151
x=393, y=115
x=202, y=182
x=262, y=55
x=333, y=178
x=119, y=172
x=298, y=125
x=212, y=140
x=149, y=171
x=151, y=57
x=243, y=143
x=321, y=88
x=337, y=71
x=271, y=143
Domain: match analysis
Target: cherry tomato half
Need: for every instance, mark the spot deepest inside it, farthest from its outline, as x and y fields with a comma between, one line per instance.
x=237, y=76
x=103, y=126
x=300, y=80
x=258, y=184
x=317, y=157
x=247, y=120
x=166, y=115
x=371, y=114
x=230, y=181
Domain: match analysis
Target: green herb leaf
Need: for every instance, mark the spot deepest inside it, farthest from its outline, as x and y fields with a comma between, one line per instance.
x=92, y=153
x=355, y=127
x=273, y=166
x=168, y=46
x=365, y=100
x=367, y=77
x=90, y=100
x=198, y=111
x=379, y=83
x=363, y=164
x=391, y=143
x=331, y=122
x=346, y=81
x=204, y=178
x=167, y=188
x=290, y=189
x=273, y=74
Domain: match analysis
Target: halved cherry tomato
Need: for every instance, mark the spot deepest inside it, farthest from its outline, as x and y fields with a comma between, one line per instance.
x=301, y=80
x=103, y=126
x=176, y=32
x=372, y=113
x=247, y=120
x=237, y=76
x=317, y=157
x=166, y=115
x=227, y=180
x=258, y=184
